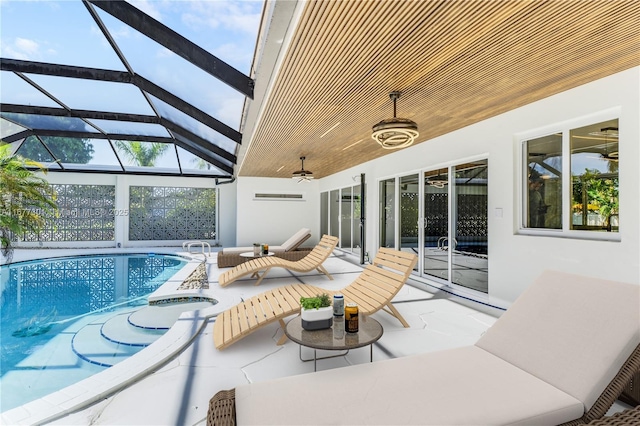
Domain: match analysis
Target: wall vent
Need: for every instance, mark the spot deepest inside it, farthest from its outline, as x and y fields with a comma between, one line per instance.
x=268, y=196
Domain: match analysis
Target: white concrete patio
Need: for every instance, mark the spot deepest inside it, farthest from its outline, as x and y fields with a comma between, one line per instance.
x=178, y=392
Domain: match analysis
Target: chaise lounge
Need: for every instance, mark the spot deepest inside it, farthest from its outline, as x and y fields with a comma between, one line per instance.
x=561, y=354
x=313, y=260
x=372, y=291
x=289, y=250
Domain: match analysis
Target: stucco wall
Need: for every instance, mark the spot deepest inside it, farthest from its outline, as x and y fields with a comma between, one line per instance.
x=515, y=260
x=272, y=222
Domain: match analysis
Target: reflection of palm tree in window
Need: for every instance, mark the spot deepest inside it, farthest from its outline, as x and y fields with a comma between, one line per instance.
x=144, y=154
x=201, y=164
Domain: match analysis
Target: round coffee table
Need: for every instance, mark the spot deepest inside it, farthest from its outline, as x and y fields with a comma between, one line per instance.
x=334, y=338
x=252, y=255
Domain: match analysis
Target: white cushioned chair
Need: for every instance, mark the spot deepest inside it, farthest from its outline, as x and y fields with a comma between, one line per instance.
x=561, y=354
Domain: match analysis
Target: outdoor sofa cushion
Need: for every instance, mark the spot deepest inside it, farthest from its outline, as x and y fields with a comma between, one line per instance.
x=291, y=244
x=571, y=331
x=542, y=363
x=463, y=386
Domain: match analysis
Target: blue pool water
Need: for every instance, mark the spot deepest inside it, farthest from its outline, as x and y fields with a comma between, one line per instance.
x=46, y=302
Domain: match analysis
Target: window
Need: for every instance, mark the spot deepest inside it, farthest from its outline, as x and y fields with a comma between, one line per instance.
x=340, y=211
x=587, y=198
x=544, y=181
x=594, y=178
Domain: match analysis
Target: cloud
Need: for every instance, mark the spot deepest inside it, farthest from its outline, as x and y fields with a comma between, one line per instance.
x=30, y=47
x=147, y=7
x=122, y=32
x=236, y=16
x=22, y=48
x=233, y=53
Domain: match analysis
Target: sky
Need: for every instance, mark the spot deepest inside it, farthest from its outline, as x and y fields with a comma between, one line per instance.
x=63, y=32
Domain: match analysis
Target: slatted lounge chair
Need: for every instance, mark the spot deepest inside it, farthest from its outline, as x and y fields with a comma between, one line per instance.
x=561, y=354
x=372, y=290
x=313, y=260
x=290, y=250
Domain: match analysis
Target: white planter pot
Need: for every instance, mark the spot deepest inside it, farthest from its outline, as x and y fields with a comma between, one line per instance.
x=317, y=319
x=317, y=314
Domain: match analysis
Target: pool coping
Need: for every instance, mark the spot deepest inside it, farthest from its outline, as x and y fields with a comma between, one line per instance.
x=103, y=384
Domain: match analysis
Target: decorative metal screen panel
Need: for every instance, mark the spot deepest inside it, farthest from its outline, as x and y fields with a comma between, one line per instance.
x=168, y=213
x=472, y=215
x=437, y=215
x=472, y=223
x=85, y=213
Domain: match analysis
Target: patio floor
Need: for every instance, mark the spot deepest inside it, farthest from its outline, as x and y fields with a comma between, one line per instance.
x=179, y=391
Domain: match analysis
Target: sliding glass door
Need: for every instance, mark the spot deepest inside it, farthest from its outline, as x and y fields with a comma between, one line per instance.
x=340, y=216
x=469, y=254
x=436, y=224
x=442, y=217
x=409, y=214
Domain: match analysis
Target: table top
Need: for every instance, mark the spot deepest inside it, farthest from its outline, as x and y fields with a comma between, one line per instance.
x=250, y=254
x=335, y=338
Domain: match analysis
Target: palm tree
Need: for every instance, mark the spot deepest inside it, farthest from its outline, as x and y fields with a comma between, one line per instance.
x=25, y=198
x=143, y=154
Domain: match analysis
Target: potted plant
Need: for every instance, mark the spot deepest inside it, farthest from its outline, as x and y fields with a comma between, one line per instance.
x=316, y=312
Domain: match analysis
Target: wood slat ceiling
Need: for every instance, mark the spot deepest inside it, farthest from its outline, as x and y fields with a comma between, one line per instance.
x=456, y=62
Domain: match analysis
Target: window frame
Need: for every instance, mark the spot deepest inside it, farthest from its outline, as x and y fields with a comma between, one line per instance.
x=521, y=177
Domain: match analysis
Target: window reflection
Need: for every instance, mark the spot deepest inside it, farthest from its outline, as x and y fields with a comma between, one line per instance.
x=595, y=202
x=544, y=182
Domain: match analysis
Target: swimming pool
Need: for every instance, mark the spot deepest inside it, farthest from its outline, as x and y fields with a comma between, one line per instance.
x=54, y=312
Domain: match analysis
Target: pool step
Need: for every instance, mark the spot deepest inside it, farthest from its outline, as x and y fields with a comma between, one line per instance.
x=118, y=330
x=162, y=317
x=107, y=342
x=89, y=345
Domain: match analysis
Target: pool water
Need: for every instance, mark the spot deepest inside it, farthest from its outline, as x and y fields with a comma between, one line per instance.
x=45, y=305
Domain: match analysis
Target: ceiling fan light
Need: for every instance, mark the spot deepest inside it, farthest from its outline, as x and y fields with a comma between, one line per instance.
x=437, y=183
x=302, y=175
x=395, y=133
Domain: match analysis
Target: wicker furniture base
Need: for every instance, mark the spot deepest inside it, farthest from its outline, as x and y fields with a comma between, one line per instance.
x=222, y=409
x=229, y=260
x=631, y=393
x=629, y=417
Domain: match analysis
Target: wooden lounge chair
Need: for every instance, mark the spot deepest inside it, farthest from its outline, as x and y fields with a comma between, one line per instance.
x=372, y=290
x=290, y=250
x=311, y=261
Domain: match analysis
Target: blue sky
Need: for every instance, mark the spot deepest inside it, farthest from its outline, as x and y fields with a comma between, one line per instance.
x=63, y=32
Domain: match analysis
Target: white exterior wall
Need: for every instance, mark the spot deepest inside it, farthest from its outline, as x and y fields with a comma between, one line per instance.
x=273, y=222
x=515, y=260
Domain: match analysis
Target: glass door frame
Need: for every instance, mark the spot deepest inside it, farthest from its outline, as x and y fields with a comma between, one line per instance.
x=451, y=217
